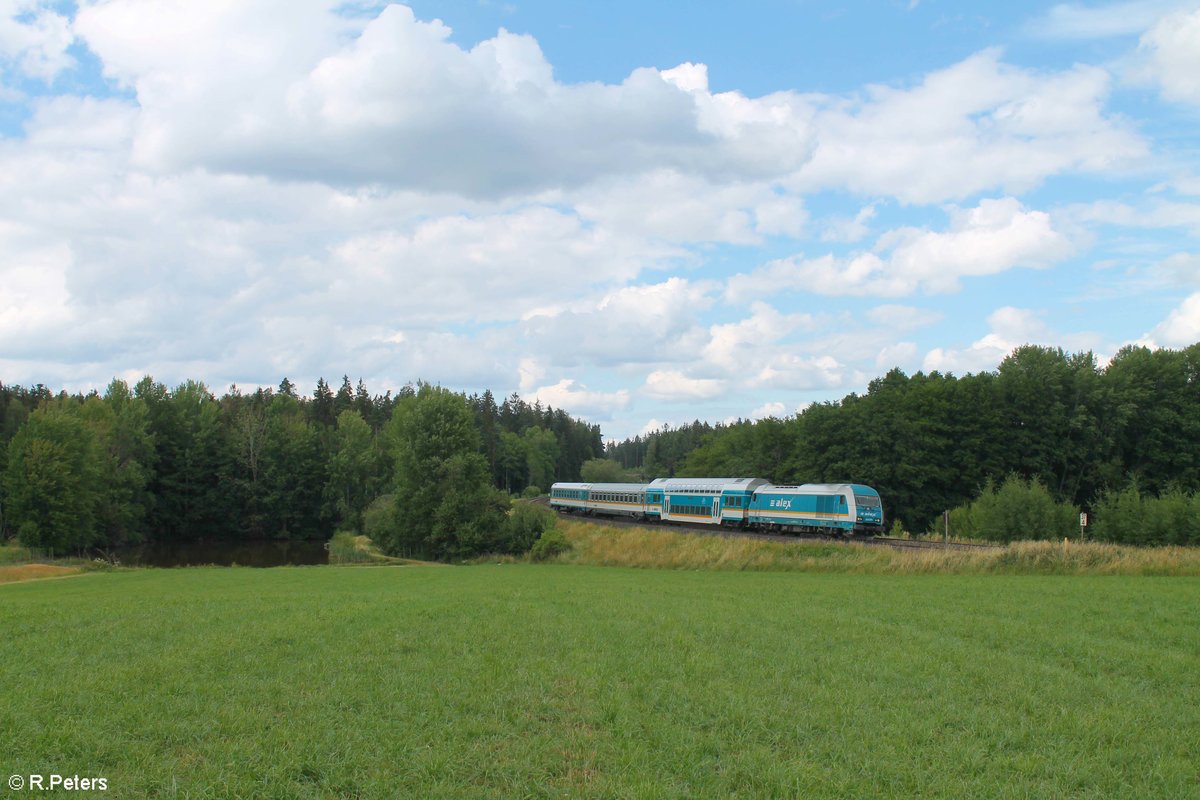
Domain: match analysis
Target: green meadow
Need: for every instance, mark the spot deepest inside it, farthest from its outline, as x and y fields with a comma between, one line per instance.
x=522, y=680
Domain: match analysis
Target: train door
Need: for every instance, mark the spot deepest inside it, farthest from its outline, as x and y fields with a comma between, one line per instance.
x=716, y=509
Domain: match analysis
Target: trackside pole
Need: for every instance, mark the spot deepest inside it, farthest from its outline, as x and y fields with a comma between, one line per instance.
x=946, y=527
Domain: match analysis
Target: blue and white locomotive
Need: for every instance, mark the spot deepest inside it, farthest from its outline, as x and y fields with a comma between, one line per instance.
x=833, y=508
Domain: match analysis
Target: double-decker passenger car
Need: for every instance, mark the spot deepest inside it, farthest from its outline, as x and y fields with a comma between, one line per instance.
x=621, y=499
x=709, y=501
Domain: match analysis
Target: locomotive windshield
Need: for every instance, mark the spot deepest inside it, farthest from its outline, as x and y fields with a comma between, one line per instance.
x=866, y=501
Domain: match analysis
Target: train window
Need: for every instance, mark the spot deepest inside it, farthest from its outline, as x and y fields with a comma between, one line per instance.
x=866, y=501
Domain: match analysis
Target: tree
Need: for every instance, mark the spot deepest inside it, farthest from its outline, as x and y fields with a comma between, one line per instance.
x=52, y=481
x=293, y=473
x=541, y=455
x=125, y=453
x=601, y=470
x=445, y=507
x=353, y=466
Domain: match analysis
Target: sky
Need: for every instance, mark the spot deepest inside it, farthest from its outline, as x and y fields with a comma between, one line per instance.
x=642, y=213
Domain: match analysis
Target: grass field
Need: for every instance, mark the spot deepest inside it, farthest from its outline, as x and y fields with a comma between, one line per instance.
x=564, y=681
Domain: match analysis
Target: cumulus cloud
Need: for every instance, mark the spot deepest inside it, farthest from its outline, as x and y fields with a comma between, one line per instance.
x=392, y=100
x=973, y=127
x=849, y=230
x=1181, y=328
x=774, y=409
x=34, y=301
x=732, y=346
x=633, y=324
x=995, y=236
x=1171, y=53
x=674, y=385
x=34, y=38
x=576, y=398
x=1010, y=328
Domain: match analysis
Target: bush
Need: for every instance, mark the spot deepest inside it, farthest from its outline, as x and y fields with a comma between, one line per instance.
x=549, y=544
x=1129, y=517
x=526, y=522
x=531, y=492
x=1017, y=510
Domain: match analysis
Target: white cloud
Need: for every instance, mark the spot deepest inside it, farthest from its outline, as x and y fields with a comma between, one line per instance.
x=900, y=355
x=1181, y=328
x=1171, y=53
x=733, y=345
x=34, y=300
x=849, y=230
x=1074, y=21
x=1149, y=214
x=34, y=37
x=790, y=370
x=774, y=409
x=674, y=385
x=631, y=325
x=995, y=236
x=1010, y=328
x=392, y=100
x=578, y=399
x=975, y=126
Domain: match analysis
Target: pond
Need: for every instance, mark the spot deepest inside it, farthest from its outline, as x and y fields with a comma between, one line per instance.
x=252, y=553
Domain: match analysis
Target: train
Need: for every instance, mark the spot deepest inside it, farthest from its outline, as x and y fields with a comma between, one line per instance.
x=838, y=509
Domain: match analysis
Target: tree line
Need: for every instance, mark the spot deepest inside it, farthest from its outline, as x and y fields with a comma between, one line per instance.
x=930, y=442
x=152, y=463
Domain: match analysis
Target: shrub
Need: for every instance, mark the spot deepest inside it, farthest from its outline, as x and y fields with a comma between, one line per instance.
x=1129, y=517
x=531, y=492
x=1018, y=510
x=526, y=522
x=549, y=544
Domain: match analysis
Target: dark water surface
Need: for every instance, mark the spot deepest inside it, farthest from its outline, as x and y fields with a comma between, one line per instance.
x=266, y=553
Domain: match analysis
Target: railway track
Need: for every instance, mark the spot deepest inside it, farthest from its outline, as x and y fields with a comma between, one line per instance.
x=709, y=530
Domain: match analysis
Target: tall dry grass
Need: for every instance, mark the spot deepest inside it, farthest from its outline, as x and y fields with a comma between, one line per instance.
x=674, y=549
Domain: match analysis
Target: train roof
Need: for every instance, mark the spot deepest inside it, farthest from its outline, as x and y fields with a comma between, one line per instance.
x=602, y=487
x=707, y=484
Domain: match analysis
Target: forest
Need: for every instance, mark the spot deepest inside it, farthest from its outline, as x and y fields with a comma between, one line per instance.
x=1086, y=434
x=1046, y=435
x=148, y=462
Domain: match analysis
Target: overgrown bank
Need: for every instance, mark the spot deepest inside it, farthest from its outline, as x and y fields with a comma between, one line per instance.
x=604, y=545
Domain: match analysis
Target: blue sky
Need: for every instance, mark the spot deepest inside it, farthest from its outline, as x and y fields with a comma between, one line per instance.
x=641, y=213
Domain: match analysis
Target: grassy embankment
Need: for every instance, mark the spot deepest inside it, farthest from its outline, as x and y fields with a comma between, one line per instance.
x=556, y=681
x=605, y=545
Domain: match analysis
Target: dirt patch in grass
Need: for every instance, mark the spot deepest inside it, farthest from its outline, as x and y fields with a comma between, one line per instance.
x=31, y=572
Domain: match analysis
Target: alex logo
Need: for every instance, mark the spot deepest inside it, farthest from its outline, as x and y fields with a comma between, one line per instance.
x=781, y=503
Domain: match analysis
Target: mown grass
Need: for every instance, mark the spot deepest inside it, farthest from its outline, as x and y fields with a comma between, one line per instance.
x=560, y=681
x=673, y=548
